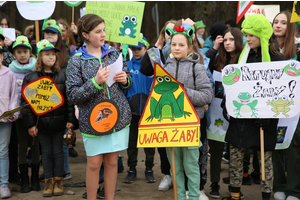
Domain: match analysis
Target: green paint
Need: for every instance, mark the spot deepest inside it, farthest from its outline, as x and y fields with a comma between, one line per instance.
x=245, y=104
x=280, y=104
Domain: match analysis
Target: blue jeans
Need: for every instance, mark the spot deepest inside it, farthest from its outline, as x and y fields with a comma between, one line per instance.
x=5, y=130
x=66, y=158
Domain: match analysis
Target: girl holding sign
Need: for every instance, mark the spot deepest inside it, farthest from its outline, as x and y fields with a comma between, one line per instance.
x=51, y=125
x=87, y=74
x=245, y=133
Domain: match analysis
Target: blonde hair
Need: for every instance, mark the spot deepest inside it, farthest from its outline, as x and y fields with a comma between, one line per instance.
x=39, y=66
x=162, y=38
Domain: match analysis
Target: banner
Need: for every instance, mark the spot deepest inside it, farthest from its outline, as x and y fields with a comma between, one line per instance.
x=269, y=11
x=35, y=10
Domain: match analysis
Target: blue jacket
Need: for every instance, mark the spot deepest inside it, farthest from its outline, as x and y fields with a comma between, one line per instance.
x=138, y=93
x=207, y=44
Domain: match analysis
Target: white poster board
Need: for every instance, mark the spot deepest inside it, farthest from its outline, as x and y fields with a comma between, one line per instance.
x=35, y=10
x=10, y=33
x=269, y=11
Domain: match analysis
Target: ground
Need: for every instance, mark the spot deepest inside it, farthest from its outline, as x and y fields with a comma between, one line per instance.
x=139, y=189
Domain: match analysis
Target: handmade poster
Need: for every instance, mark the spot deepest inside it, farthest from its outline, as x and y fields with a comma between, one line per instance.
x=10, y=33
x=11, y=112
x=35, y=10
x=114, y=69
x=104, y=116
x=269, y=11
x=123, y=19
x=169, y=119
x=218, y=126
x=262, y=90
x=296, y=12
x=43, y=95
x=154, y=56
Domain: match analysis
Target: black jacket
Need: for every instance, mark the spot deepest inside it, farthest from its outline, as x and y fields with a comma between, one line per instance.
x=146, y=66
x=54, y=120
x=245, y=133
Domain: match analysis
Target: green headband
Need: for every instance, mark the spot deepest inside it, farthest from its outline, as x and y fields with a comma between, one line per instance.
x=144, y=42
x=189, y=32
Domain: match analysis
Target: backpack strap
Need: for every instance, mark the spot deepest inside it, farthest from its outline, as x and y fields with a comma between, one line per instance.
x=72, y=50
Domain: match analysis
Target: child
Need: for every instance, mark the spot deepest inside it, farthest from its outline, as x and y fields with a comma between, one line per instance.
x=51, y=126
x=86, y=74
x=8, y=101
x=200, y=32
x=245, y=133
x=7, y=56
x=137, y=96
x=23, y=65
x=182, y=64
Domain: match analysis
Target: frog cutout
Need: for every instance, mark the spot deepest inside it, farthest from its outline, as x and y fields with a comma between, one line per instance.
x=129, y=24
x=218, y=122
x=280, y=105
x=245, y=104
x=292, y=69
x=231, y=75
x=168, y=107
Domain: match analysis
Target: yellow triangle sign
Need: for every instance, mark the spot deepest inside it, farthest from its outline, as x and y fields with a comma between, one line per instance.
x=169, y=119
x=296, y=12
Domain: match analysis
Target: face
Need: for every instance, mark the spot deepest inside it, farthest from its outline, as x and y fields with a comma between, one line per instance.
x=4, y=23
x=200, y=31
x=22, y=54
x=48, y=58
x=179, y=46
x=138, y=53
x=96, y=37
x=51, y=36
x=253, y=41
x=171, y=26
x=63, y=31
x=229, y=44
x=280, y=25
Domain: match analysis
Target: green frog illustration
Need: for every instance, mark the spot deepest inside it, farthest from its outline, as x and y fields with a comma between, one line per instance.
x=292, y=69
x=168, y=107
x=129, y=23
x=245, y=104
x=280, y=104
x=231, y=75
x=218, y=122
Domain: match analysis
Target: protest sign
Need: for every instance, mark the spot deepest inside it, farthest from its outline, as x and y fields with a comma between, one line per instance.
x=296, y=12
x=123, y=19
x=11, y=112
x=269, y=11
x=35, y=10
x=169, y=119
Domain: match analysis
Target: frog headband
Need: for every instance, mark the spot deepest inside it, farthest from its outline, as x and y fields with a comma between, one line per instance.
x=45, y=45
x=259, y=26
x=189, y=32
x=51, y=25
x=22, y=41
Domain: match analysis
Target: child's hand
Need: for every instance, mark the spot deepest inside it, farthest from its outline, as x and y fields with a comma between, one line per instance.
x=69, y=125
x=7, y=41
x=102, y=75
x=205, y=108
x=219, y=39
x=33, y=131
x=121, y=77
x=158, y=44
x=74, y=28
x=11, y=117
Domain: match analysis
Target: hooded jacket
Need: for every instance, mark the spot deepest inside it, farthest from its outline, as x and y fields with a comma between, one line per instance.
x=192, y=76
x=84, y=92
x=9, y=93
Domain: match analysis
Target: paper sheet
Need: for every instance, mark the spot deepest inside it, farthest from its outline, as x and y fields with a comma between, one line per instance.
x=10, y=33
x=114, y=69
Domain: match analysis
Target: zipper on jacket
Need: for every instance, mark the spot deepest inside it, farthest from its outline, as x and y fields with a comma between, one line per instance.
x=176, y=75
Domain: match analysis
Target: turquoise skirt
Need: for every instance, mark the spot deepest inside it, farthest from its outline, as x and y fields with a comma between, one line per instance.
x=114, y=142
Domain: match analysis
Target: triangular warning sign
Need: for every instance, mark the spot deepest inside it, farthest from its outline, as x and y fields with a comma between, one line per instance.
x=169, y=119
x=296, y=12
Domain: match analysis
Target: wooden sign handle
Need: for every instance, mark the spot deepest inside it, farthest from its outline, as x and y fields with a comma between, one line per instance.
x=262, y=154
x=174, y=173
x=37, y=31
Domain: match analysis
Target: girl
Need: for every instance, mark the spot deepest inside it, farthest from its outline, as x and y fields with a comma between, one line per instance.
x=8, y=101
x=85, y=78
x=51, y=126
x=286, y=185
x=67, y=37
x=23, y=65
x=259, y=48
x=200, y=32
x=182, y=64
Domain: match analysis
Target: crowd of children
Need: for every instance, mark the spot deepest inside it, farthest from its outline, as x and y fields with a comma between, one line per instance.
x=76, y=58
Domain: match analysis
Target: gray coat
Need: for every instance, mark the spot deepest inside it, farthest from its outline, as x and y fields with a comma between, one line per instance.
x=192, y=75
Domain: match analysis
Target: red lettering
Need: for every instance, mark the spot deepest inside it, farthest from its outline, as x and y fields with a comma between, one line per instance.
x=165, y=136
x=188, y=135
x=182, y=137
x=176, y=131
x=258, y=11
x=193, y=134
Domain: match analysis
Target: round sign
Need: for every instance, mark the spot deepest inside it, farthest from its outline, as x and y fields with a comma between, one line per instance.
x=104, y=116
x=36, y=10
x=73, y=3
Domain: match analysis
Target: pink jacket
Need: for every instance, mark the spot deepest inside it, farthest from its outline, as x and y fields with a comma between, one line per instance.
x=9, y=93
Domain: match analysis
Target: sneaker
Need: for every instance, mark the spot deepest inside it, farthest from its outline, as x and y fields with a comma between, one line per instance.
x=214, y=190
x=101, y=193
x=292, y=198
x=131, y=176
x=72, y=152
x=246, y=180
x=226, y=180
x=67, y=177
x=41, y=178
x=203, y=195
x=149, y=176
x=5, y=192
x=241, y=194
x=279, y=196
x=256, y=177
x=166, y=183
x=186, y=195
x=225, y=157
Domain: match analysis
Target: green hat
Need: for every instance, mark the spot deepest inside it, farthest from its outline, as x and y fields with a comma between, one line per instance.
x=200, y=24
x=22, y=41
x=3, y=50
x=1, y=34
x=51, y=25
x=45, y=45
x=259, y=26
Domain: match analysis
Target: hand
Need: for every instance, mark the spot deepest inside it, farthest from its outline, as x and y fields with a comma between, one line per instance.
x=74, y=28
x=219, y=39
x=7, y=41
x=205, y=108
x=121, y=77
x=33, y=131
x=102, y=75
x=69, y=125
x=158, y=44
x=11, y=117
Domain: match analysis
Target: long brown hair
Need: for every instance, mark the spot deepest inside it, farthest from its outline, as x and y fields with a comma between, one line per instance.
x=224, y=55
x=289, y=49
x=39, y=66
x=70, y=37
x=162, y=38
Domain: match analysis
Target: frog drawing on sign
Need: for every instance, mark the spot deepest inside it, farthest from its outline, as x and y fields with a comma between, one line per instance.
x=129, y=24
x=280, y=105
x=245, y=104
x=55, y=99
